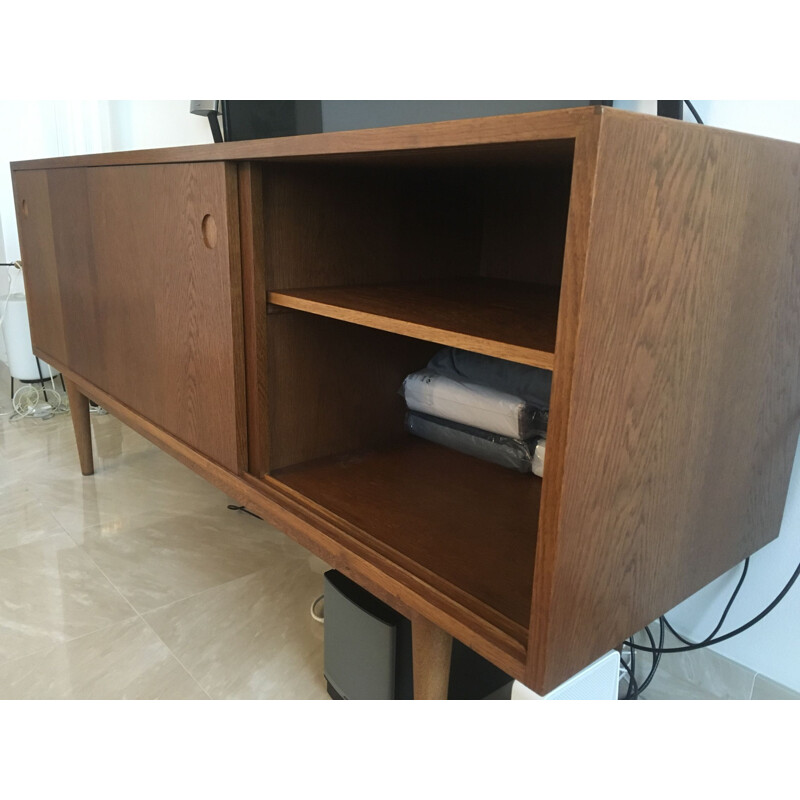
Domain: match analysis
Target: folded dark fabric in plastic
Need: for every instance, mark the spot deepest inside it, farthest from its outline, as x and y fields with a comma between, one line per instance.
x=531, y=384
x=515, y=454
x=472, y=405
x=481, y=392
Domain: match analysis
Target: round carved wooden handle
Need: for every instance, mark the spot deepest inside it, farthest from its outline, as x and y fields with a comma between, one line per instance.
x=209, y=229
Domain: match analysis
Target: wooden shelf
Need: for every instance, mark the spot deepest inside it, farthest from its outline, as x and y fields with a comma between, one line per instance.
x=452, y=519
x=506, y=319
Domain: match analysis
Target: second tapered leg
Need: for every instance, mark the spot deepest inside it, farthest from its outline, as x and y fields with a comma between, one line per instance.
x=79, y=409
x=431, y=648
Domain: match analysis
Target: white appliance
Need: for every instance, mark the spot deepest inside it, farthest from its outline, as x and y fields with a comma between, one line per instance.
x=599, y=681
x=17, y=337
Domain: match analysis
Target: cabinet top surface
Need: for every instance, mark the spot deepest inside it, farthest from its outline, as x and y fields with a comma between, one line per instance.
x=539, y=126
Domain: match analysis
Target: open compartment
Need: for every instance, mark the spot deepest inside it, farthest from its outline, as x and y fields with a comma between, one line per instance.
x=337, y=438
x=371, y=263
x=461, y=247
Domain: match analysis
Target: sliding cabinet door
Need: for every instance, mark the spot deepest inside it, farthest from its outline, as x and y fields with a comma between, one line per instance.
x=144, y=263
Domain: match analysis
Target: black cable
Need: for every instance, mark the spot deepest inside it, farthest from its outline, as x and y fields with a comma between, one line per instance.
x=724, y=613
x=694, y=112
x=632, y=686
x=216, y=133
x=732, y=633
x=631, y=679
x=232, y=507
x=656, y=656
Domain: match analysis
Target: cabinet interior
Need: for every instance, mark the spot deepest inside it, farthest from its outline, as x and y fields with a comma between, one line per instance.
x=372, y=263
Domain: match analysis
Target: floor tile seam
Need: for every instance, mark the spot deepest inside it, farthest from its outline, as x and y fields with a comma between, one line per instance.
x=69, y=640
x=42, y=539
x=203, y=591
x=177, y=658
x=40, y=652
x=174, y=602
x=43, y=506
x=139, y=615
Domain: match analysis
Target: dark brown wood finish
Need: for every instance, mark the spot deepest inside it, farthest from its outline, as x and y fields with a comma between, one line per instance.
x=151, y=306
x=41, y=271
x=233, y=315
x=674, y=411
x=542, y=126
x=334, y=387
x=254, y=291
x=336, y=225
x=578, y=227
x=313, y=528
x=506, y=319
x=525, y=223
x=79, y=411
x=466, y=526
x=686, y=388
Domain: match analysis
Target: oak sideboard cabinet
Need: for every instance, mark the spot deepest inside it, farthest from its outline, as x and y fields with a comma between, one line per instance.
x=253, y=308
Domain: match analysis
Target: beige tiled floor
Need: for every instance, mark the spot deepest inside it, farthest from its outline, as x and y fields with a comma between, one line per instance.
x=138, y=582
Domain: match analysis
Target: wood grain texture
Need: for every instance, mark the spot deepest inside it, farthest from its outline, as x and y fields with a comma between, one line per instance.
x=676, y=391
x=505, y=319
x=543, y=126
x=333, y=225
x=431, y=651
x=334, y=387
x=525, y=221
x=582, y=197
x=150, y=312
x=238, y=389
x=40, y=270
x=467, y=526
x=685, y=401
x=79, y=411
x=254, y=292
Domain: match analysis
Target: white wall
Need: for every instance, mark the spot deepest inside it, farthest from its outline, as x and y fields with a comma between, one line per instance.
x=42, y=129
x=142, y=124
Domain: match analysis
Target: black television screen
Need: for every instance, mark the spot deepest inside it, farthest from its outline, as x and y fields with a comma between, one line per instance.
x=264, y=119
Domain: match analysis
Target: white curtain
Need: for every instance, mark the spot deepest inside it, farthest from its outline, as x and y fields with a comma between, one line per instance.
x=41, y=129
x=46, y=128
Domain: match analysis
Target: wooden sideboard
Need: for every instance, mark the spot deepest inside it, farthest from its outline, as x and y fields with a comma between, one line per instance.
x=253, y=307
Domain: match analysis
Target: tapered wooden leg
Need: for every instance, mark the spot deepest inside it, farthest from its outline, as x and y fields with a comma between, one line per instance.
x=431, y=647
x=79, y=409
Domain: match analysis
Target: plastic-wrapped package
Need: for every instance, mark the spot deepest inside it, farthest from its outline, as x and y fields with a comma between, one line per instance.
x=530, y=384
x=538, y=457
x=503, y=450
x=474, y=405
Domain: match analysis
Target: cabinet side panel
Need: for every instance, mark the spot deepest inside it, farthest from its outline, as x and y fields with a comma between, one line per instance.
x=686, y=391
x=34, y=222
